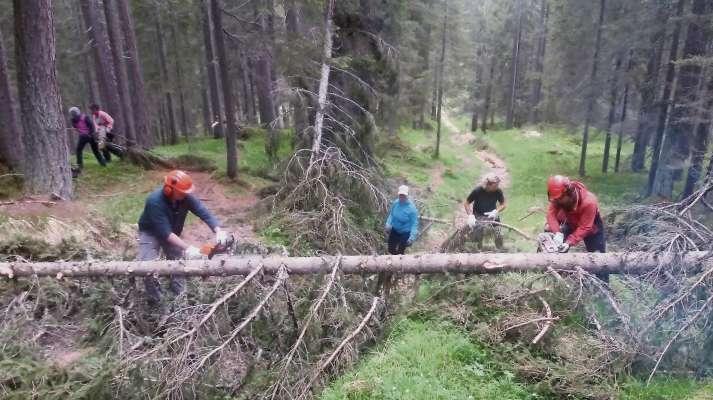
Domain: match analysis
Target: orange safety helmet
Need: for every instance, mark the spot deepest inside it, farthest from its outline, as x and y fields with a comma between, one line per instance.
x=177, y=181
x=557, y=186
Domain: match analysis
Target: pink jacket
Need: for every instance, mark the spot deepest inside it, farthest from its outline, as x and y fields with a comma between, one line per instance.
x=101, y=118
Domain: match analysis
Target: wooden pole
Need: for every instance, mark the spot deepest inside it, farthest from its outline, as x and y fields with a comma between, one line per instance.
x=476, y=263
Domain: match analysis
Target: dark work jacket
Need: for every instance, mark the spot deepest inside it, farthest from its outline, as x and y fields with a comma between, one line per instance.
x=161, y=216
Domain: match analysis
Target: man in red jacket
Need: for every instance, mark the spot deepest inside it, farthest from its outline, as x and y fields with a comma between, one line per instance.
x=573, y=215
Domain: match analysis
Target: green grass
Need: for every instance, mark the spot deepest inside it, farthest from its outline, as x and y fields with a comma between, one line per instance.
x=440, y=184
x=531, y=160
x=667, y=389
x=427, y=360
x=251, y=152
x=118, y=192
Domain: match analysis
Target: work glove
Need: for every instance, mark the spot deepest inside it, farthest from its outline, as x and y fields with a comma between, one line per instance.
x=563, y=248
x=559, y=238
x=221, y=237
x=193, y=253
x=471, y=220
x=492, y=214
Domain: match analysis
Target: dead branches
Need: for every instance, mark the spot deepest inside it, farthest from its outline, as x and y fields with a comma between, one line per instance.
x=339, y=348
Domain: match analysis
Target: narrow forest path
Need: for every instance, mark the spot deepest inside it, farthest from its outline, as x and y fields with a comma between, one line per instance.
x=491, y=164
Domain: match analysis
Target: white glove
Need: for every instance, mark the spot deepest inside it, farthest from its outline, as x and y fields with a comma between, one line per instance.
x=221, y=237
x=471, y=220
x=559, y=238
x=563, y=248
x=193, y=252
x=492, y=214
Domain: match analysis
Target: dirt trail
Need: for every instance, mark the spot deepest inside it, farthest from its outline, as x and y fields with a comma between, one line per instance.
x=493, y=164
x=231, y=209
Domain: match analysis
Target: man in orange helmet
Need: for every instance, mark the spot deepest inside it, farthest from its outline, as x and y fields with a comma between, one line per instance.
x=161, y=224
x=573, y=215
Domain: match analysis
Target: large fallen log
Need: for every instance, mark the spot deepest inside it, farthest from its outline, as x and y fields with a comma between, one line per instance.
x=478, y=263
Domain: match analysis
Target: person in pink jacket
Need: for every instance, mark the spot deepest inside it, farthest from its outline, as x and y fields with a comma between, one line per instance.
x=103, y=126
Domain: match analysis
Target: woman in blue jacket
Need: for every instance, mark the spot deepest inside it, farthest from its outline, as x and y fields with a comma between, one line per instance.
x=402, y=223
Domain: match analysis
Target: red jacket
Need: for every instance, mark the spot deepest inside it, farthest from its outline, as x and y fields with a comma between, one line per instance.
x=580, y=219
x=101, y=118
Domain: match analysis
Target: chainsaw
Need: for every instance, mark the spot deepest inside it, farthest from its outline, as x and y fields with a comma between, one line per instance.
x=546, y=243
x=212, y=249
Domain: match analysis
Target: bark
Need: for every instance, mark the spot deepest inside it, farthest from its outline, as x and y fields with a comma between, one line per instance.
x=648, y=112
x=85, y=72
x=299, y=100
x=171, y=116
x=117, y=52
x=477, y=88
x=205, y=102
x=103, y=60
x=179, y=81
x=324, y=79
x=47, y=170
x=592, y=91
x=10, y=134
x=488, y=94
x=477, y=263
x=665, y=98
x=622, y=120
x=247, y=88
x=265, y=85
x=612, y=114
x=534, y=114
x=514, y=67
x=135, y=72
x=232, y=132
x=212, y=69
x=441, y=67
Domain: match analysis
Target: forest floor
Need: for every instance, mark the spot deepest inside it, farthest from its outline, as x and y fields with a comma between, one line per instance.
x=405, y=365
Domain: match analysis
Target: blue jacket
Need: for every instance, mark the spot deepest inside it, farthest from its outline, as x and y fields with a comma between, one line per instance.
x=161, y=216
x=403, y=218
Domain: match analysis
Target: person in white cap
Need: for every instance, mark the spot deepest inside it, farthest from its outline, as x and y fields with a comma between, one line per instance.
x=402, y=223
x=486, y=202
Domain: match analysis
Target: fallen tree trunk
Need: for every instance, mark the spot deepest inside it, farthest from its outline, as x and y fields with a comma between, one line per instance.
x=476, y=263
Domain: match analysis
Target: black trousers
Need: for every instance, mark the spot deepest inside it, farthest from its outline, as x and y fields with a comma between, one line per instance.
x=596, y=243
x=398, y=242
x=83, y=141
x=109, y=148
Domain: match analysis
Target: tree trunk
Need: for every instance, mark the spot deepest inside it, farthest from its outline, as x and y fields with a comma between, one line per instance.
x=266, y=104
x=10, y=134
x=179, y=80
x=133, y=62
x=592, y=90
x=103, y=60
x=212, y=68
x=612, y=113
x=514, y=67
x=648, y=111
x=434, y=94
x=475, y=263
x=534, y=114
x=299, y=99
x=702, y=130
x=232, y=132
x=624, y=106
x=46, y=167
x=477, y=89
x=441, y=68
x=247, y=88
x=117, y=51
x=665, y=99
x=205, y=101
x=171, y=116
x=85, y=70
x=488, y=94
x=323, y=80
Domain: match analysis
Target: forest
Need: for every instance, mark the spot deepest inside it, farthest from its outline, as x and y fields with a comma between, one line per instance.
x=382, y=199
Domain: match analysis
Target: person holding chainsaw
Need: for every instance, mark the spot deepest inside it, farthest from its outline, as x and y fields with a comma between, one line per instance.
x=104, y=125
x=161, y=225
x=573, y=216
x=402, y=223
x=485, y=203
x=85, y=126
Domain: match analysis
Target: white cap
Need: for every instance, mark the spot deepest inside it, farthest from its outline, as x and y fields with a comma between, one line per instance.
x=403, y=189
